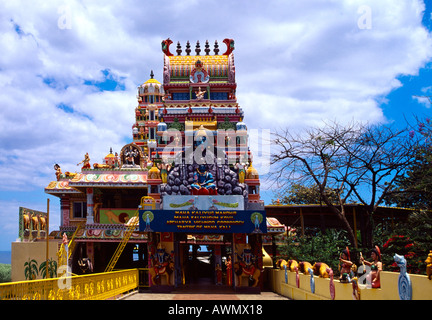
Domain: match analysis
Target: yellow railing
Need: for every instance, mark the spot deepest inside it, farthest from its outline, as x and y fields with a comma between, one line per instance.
x=98, y=286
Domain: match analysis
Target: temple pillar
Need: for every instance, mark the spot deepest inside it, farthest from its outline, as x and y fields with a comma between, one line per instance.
x=65, y=210
x=90, y=206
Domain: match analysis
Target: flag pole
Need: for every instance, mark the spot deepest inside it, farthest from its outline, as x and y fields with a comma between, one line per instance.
x=47, y=240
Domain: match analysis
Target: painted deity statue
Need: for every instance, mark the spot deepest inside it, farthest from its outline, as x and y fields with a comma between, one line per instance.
x=200, y=94
x=246, y=266
x=228, y=264
x=346, y=266
x=164, y=168
x=58, y=171
x=241, y=167
x=162, y=264
x=130, y=155
x=376, y=267
x=203, y=180
x=85, y=162
x=247, y=259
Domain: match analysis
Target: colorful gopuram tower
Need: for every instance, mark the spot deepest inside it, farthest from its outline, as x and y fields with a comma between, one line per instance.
x=187, y=172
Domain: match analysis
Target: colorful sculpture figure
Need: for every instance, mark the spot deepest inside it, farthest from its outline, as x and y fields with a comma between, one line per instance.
x=200, y=94
x=346, y=267
x=304, y=266
x=199, y=74
x=320, y=269
x=241, y=167
x=165, y=46
x=331, y=284
x=162, y=265
x=85, y=162
x=164, y=171
x=58, y=171
x=130, y=155
x=230, y=46
x=428, y=262
x=228, y=264
x=376, y=267
x=204, y=182
x=246, y=267
x=218, y=274
x=404, y=281
x=312, y=280
x=355, y=287
x=281, y=263
x=292, y=265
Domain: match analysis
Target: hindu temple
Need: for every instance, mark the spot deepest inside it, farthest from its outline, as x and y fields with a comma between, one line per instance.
x=182, y=198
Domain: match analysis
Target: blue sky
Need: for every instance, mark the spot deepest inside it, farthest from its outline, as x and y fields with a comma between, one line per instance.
x=69, y=72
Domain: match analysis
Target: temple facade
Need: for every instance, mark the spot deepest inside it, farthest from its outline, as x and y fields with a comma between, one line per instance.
x=183, y=196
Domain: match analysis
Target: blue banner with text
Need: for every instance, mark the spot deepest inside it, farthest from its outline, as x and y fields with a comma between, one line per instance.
x=203, y=221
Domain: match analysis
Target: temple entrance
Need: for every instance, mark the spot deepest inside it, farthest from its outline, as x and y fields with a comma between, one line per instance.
x=200, y=264
x=203, y=265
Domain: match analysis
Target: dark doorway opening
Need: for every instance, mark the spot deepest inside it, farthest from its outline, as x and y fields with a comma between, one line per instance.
x=203, y=267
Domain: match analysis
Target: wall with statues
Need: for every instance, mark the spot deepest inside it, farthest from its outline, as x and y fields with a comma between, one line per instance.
x=308, y=287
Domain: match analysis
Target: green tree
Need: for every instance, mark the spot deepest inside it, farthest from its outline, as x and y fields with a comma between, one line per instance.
x=316, y=246
x=360, y=162
x=413, y=188
x=412, y=239
x=300, y=194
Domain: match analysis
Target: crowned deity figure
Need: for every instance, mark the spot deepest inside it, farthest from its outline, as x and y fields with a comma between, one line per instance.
x=85, y=162
x=247, y=261
x=162, y=264
x=203, y=180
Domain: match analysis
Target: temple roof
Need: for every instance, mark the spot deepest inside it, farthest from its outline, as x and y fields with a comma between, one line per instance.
x=274, y=226
x=98, y=178
x=61, y=186
x=179, y=69
x=110, y=178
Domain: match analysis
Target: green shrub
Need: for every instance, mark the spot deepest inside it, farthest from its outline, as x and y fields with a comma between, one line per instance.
x=5, y=272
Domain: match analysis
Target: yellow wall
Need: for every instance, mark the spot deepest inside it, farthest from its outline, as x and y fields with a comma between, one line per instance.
x=421, y=287
x=22, y=252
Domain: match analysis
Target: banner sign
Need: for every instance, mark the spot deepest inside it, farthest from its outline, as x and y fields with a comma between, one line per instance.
x=202, y=221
